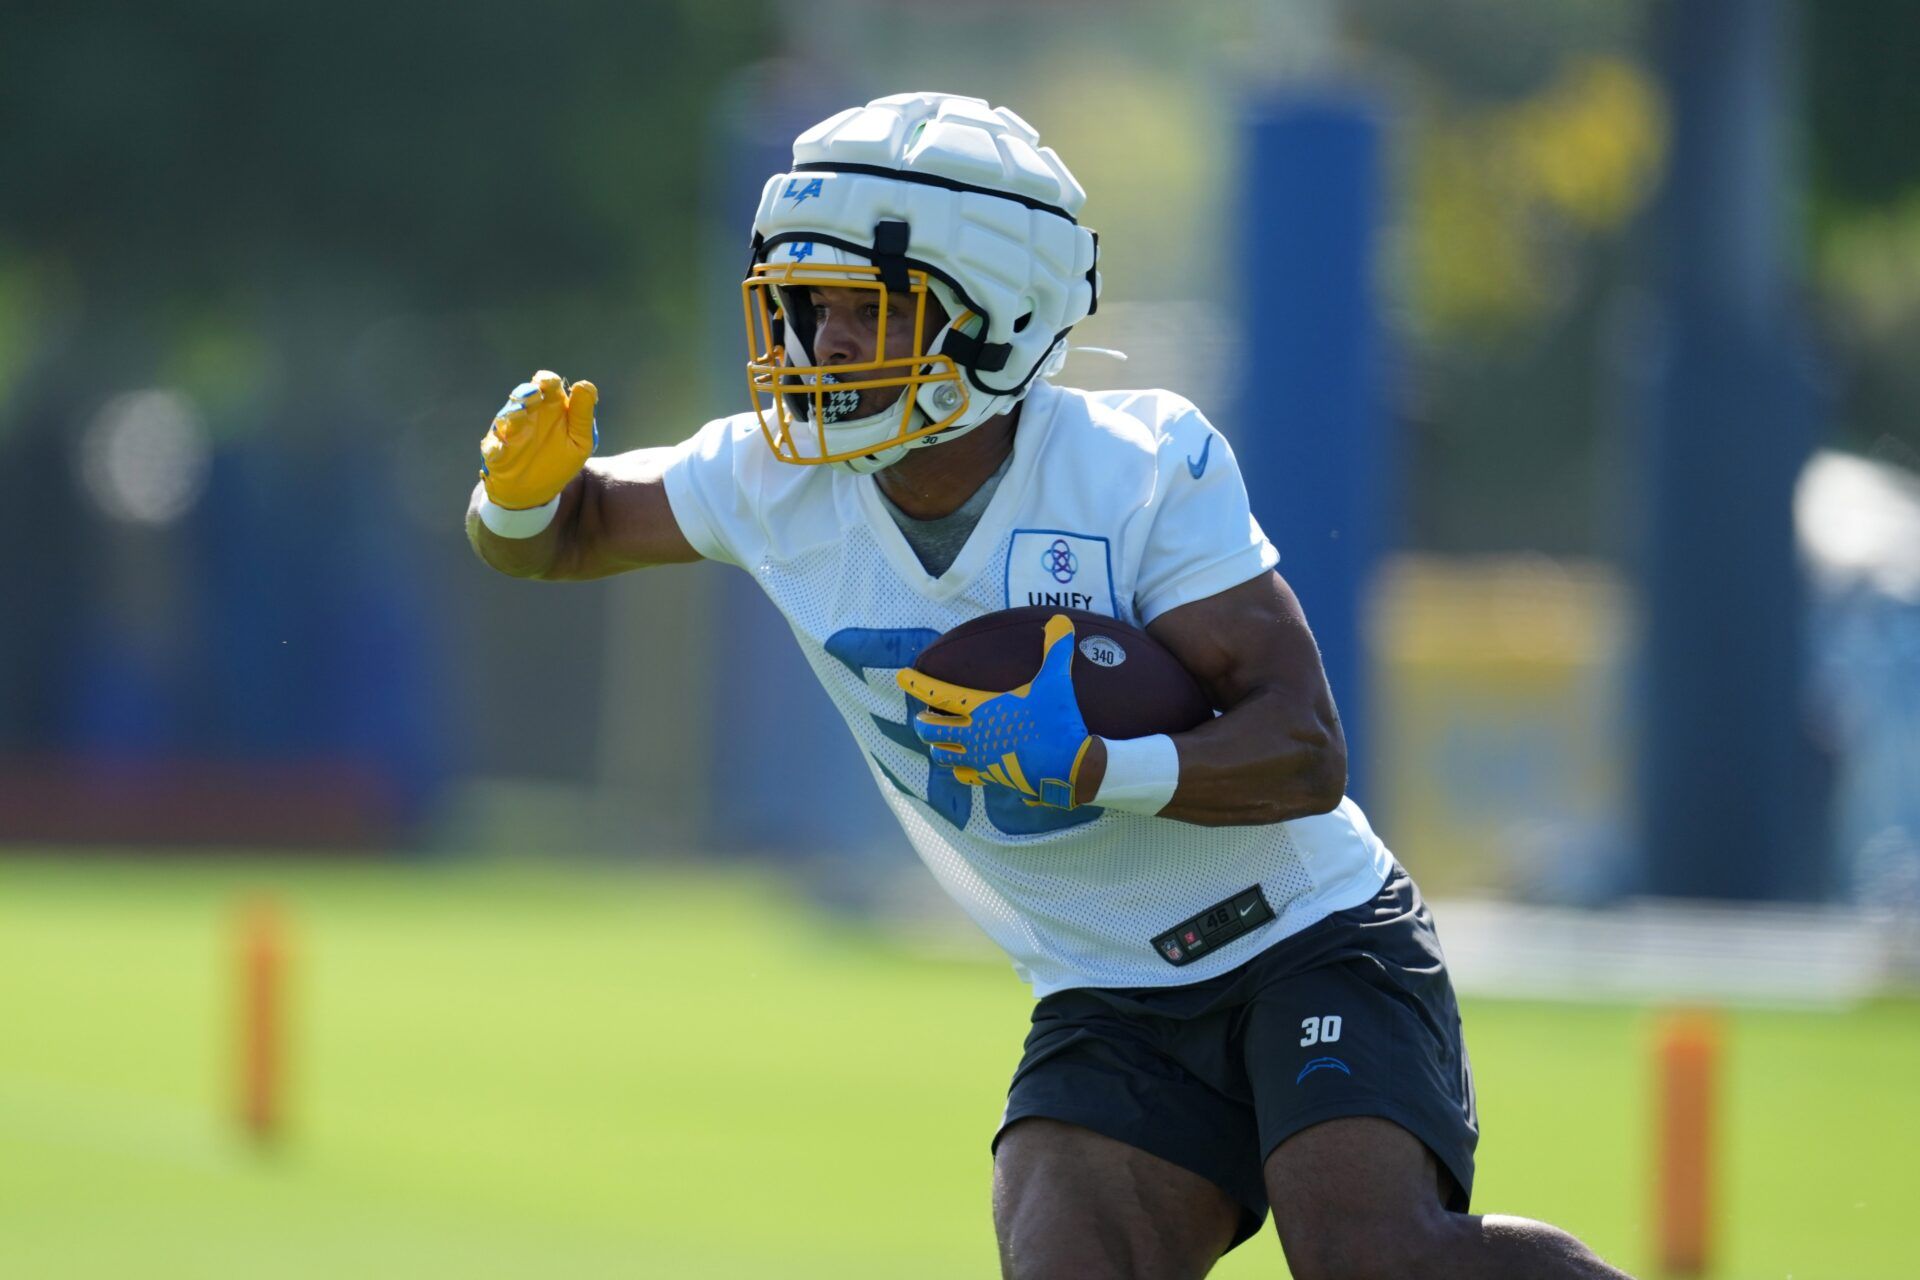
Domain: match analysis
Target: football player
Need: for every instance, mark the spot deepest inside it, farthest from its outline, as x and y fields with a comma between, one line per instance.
x=1242, y=1001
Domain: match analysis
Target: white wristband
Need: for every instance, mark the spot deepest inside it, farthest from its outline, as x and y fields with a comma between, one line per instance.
x=508, y=522
x=1141, y=774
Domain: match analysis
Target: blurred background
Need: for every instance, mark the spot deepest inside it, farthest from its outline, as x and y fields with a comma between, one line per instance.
x=1567, y=347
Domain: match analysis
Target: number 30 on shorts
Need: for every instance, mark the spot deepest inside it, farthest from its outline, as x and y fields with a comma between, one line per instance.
x=1323, y=1030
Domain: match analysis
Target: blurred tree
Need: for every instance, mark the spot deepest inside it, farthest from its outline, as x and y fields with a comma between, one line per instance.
x=1530, y=136
x=183, y=147
x=359, y=221
x=1863, y=99
x=1505, y=196
x=396, y=209
x=1864, y=111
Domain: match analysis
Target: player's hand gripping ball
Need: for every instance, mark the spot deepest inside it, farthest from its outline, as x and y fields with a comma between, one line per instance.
x=1031, y=739
x=540, y=439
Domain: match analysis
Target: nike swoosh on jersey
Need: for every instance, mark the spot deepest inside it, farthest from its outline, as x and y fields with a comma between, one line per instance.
x=1199, y=468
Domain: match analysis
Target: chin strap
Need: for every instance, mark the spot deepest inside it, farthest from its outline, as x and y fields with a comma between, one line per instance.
x=890, y=254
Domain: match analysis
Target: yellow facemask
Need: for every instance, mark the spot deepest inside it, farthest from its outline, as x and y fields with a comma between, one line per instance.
x=807, y=411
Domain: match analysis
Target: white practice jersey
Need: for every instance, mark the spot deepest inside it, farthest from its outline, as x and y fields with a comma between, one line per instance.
x=1125, y=503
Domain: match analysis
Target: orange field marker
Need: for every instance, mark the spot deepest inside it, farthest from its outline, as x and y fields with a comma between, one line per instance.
x=262, y=1020
x=1687, y=1059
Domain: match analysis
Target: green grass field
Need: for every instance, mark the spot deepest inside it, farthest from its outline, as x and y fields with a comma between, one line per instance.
x=521, y=1072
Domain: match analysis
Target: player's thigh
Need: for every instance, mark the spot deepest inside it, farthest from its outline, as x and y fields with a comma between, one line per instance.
x=1072, y=1204
x=1357, y=1198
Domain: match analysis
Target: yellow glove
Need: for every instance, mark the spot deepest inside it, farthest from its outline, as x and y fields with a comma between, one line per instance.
x=540, y=439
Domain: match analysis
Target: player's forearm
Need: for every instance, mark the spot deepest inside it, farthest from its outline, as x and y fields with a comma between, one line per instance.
x=1266, y=760
x=531, y=557
x=614, y=516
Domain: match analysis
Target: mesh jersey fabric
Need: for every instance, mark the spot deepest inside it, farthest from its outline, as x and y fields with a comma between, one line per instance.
x=1127, y=503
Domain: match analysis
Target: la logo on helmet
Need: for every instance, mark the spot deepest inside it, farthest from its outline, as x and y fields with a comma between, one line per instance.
x=797, y=193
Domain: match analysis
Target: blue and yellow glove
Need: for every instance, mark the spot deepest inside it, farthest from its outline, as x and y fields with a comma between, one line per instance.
x=1031, y=739
x=539, y=441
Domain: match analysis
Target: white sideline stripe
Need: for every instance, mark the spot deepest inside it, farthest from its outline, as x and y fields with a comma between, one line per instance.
x=1670, y=951
x=1656, y=951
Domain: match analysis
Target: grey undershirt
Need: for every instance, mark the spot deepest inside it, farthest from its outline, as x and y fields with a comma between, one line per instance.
x=937, y=542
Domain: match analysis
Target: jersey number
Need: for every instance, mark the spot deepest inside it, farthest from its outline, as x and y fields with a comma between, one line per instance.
x=1320, y=1030
x=865, y=649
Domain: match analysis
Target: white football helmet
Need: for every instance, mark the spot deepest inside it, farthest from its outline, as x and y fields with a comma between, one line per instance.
x=916, y=195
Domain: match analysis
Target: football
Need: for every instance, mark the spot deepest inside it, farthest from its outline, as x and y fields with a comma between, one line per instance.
x=1129, y=685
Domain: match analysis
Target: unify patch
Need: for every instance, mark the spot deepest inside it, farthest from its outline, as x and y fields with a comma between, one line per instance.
x=1219, y=924
x=1060, y=569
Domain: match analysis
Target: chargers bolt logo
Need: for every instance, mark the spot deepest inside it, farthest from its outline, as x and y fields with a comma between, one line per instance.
x=800, y=252
x=798, y=193
x=1060, y=561
x=1323, y=1064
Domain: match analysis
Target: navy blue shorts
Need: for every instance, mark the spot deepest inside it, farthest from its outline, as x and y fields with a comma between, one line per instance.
x=1353, y=1016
